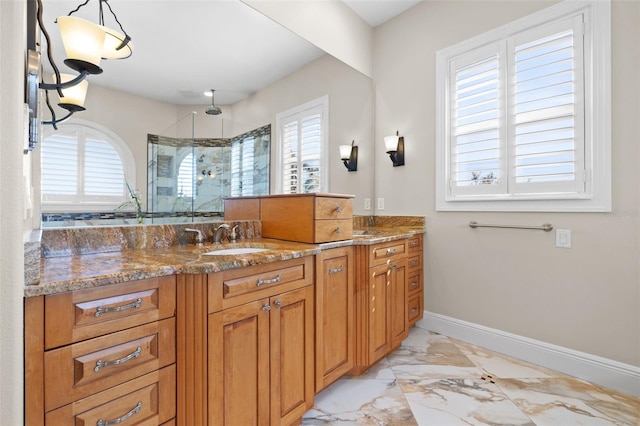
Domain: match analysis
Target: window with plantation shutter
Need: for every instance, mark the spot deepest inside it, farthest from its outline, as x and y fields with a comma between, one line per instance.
x=185, y=177
x=83, y=169
x=518, y=127
x=302, y=137
x=242, y=165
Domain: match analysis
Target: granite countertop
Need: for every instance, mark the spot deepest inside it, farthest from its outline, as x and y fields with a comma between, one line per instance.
x=66, y=273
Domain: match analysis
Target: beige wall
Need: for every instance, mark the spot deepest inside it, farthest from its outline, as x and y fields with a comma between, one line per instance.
x=586, y=298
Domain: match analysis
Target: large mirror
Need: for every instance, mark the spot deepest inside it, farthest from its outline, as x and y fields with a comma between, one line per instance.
x=115, y=105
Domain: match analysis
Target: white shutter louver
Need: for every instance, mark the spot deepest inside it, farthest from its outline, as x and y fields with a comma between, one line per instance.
x=103, y=173
x=547, y=112
x=242, y=165
x=310, y=153
x=476, y=148
x=60, y=167
x=290, y=158
x=186, y=177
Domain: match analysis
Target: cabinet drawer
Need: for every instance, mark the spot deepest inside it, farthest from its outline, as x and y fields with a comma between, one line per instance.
x=414, y=244
x=334, y=208
x=148, y=400
x=235, y=287
x=79, y=315
x=415, y=261
x=82, y=369
x=380, y=253
x=333, y=230
x=414, y=307
x=414, y=282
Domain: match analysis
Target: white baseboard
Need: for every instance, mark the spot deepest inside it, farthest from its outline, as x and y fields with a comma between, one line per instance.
x=602, y=371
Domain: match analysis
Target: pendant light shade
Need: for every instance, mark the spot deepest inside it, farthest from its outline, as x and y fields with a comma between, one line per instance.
x=83, y=42
x=73, y=97
x=113, y=44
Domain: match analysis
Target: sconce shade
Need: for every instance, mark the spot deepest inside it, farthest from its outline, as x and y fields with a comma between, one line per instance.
x=349, y=156
x=73, y=97
x=112, y=41
x=391, y=143
x=83, y=42
x=345, y=152
x=394, y=145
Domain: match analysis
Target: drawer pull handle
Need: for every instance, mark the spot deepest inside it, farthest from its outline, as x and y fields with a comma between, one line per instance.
x=413, y=310
x=413, y=284
x=391, y=251
x=135, y=410
x=101, y=310
x=271, y=281
x=336, y=270
x=414, y=262
x=413, y=243
x=338, y=209
x=393, y=266
x=266, y=307
x=101, y=364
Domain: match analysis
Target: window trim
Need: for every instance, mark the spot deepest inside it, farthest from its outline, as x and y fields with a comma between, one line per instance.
x=323, y=103
x=597, y=60
x=128, y=166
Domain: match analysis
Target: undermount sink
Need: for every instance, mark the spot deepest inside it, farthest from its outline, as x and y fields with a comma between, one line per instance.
x=237, y=250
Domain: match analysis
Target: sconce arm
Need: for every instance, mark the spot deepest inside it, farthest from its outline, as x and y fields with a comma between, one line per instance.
x=51, y=86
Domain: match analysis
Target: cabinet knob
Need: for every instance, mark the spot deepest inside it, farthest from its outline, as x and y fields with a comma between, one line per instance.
x=391, y=251
x=266, y=307
x=338, y=209
x=278, y=304
x=337, y=230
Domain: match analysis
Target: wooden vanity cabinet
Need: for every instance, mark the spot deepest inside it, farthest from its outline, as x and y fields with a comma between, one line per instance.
x=260, y=344
x=105, y=353
x=381, y=301
x=334, y=319
x=415, y=280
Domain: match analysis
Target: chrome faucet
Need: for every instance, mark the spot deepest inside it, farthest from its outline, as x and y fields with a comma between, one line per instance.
x=199, y=237
x=217, y=236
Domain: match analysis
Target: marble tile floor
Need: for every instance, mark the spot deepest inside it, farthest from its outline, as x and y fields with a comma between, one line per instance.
x=436, y=380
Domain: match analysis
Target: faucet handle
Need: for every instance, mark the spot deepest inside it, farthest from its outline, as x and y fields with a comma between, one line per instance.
x=199, y=237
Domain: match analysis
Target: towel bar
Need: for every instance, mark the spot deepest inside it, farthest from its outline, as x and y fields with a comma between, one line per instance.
x=546, y=227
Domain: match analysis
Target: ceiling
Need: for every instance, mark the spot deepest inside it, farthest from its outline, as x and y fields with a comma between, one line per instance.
x=184, y=48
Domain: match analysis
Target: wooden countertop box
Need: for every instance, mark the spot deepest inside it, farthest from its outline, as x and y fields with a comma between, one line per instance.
x=307, y=218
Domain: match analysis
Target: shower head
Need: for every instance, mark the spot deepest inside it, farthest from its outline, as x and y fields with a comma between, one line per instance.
x=213, y=109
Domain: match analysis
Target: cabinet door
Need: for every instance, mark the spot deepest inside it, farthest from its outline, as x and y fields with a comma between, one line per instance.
x=379, y=336
x=334, y=316
x=398, y=314
x=292, y=380
x=239, y=365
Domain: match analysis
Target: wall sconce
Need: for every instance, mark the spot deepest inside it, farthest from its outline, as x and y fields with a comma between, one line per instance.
x=394, y=145
x=85, y=44
x=349, y=156
x=209, y=173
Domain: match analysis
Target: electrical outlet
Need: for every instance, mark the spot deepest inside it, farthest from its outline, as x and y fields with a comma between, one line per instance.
x=380, y=204
x=367, y=203
x=563, y=238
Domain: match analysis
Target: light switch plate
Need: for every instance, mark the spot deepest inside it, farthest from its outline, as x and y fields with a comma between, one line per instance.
x=563, y=238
